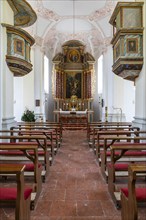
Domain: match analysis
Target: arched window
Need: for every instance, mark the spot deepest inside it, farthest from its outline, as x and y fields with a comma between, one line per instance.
x=100, y=74
x=46, y=74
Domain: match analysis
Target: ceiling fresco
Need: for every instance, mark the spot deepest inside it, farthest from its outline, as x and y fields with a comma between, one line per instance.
x=60, y=21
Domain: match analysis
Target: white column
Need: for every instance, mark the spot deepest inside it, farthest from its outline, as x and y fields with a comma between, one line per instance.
x=6, y=76
x=38, y=80
x=108, y=80
x=140, y=91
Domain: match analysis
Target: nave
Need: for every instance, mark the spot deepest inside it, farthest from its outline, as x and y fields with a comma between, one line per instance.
x=75, y=189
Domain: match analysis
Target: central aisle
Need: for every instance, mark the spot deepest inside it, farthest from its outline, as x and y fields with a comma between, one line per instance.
x=75, y=189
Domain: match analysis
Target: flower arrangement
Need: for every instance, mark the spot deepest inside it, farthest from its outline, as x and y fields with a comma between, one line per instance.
x=28, y=116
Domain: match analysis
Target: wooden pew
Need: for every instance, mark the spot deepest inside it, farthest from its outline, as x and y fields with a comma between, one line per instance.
x=18, y=196
x=32, y=139
x=50, y=125
x=104, y=125
x=101, y=135
x=117, y=170
x=53, y=134
x=26, y=150
x=109, y=129
x=133, y=194
x=105, y=154
x=31, y=131
x=50, y=146
x=93, y=136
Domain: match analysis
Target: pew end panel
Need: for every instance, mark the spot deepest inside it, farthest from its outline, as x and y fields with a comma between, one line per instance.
x=19, y=196
x=32, y=169
x=118, y=171
x=133, y=194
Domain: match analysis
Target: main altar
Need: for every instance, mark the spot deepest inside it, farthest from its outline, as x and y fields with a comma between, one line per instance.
x=73, y=81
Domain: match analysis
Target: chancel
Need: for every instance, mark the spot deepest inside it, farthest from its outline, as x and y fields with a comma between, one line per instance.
x=72, y=109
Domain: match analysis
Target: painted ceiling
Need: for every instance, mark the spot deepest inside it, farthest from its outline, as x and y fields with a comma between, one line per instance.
x=85, y=20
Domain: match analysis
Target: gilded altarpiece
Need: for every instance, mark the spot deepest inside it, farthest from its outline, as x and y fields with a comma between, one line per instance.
x=74, y=73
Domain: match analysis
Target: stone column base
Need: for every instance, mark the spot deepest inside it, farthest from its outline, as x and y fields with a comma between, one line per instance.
x=139, y=122
x=7, y=123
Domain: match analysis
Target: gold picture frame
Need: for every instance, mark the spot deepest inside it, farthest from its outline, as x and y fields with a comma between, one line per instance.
x=74, y=56
x=73, y=85
x=19, y=46
x=132, y=45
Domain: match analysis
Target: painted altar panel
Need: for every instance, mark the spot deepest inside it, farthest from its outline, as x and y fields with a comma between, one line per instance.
x=73, y=84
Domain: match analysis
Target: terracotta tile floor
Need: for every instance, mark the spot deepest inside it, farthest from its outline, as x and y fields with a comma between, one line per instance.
x=74, y=189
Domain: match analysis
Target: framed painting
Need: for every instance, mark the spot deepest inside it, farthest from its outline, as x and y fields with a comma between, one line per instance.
x=132, y=45
x=74, y=56
x=73, y=82
x=19, y=46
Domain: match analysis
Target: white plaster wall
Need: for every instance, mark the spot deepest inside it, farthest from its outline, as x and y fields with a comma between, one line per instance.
x=18, y=98
x=28, y=92
x=28, y=88
x=118, y=92
x=124, y=97
x=8, y=17
x=129, y=100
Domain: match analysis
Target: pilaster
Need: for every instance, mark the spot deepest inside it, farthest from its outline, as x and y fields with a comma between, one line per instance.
x=38, y=80
x=140, y=84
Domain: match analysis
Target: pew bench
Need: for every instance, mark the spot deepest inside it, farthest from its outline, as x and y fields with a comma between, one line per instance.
x=49, y=146
x=6, y=151
x=52, y=133
x=105, y=154
x=43, y=125
x=101, y=135
x=91, y=129
x=100, y=132
x=18, y=196
x=133, y=194
x=119, y=171
x=39, y=140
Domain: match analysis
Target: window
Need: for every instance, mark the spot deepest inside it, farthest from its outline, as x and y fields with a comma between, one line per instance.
x=46, y=74
x=100, y=74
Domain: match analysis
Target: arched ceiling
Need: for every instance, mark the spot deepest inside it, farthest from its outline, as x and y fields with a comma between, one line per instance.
x=85, y=20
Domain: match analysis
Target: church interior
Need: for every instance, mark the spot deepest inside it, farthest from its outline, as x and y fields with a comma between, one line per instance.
x=72, y=110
